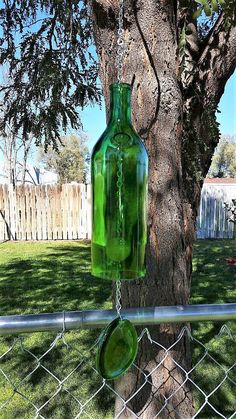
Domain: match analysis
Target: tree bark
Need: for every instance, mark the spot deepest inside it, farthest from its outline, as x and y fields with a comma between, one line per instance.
x=163, y=114
x=26, y=146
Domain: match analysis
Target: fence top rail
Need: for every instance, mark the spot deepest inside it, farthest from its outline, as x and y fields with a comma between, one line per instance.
x=88, y=319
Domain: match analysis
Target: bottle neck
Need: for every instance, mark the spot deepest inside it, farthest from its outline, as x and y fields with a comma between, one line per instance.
x=120, y=99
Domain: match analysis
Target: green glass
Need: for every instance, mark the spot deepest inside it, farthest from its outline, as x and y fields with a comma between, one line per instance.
x=119, y=194
x=117, y=349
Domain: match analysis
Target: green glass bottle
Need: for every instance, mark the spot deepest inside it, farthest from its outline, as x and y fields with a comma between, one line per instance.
x=119, y=194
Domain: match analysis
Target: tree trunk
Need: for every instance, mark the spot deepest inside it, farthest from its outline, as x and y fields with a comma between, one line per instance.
x=157, y=116
x=26, y=144
x=178, y=127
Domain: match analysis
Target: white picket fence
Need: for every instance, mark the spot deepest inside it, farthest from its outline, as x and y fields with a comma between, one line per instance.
x=63, y=212
x=212, y=220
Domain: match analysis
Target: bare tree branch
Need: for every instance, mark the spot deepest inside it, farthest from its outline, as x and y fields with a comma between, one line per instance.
x=219, y=56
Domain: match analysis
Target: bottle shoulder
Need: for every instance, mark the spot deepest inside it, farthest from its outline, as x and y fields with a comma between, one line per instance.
x=119, y=139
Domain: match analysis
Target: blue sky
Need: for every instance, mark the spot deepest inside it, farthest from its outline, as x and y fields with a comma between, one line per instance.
x=94, y=118
x=227, y=117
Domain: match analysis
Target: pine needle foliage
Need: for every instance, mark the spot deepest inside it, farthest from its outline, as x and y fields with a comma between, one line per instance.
x=46, y=48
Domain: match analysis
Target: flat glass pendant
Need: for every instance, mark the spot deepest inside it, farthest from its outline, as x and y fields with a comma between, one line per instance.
x=117, y=349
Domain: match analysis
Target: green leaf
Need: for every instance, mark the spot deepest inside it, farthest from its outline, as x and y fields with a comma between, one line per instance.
x=202, y=2
x=214, y=5
x=207, y=9
x=182, y=41
x=222, y=3
x=197, y=13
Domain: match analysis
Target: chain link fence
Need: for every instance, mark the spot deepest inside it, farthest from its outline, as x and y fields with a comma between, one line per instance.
x=48, y=376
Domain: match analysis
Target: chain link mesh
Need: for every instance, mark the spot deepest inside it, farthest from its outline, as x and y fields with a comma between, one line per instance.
x=55, y=377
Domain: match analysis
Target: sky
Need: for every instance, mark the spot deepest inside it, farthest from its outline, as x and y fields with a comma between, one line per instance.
x=227, y=106
x=94, y=118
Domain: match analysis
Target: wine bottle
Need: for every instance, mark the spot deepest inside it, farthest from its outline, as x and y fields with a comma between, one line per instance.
x=119, y=169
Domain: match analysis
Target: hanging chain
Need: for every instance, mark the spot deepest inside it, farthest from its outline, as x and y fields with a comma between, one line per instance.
x=119, y=64
x=120, y=41
x=118, y=298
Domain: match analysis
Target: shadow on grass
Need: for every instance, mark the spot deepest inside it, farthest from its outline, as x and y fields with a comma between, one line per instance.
x=214, y=282
x=57, y=281
x=60, y=280
x=47, y=282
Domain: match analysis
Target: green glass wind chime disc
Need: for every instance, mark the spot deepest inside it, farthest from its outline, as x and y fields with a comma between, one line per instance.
x=119, y=234
x=117, y=349
x=119, y=169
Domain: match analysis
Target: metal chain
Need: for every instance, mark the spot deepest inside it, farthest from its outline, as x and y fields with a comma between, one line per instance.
x=120, y=41
x=118, y=298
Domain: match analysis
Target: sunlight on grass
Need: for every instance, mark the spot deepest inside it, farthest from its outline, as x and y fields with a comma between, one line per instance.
x=55, y=276
x=214, y=282
x=47, y=277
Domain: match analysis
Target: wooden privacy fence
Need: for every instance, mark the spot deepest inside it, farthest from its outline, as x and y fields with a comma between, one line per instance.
x=45, y=212
x=64, y=211
x=212, y=220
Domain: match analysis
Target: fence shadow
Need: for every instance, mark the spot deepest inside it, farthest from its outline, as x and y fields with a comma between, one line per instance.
x=59, y=280
x=54, y=281
x=213, y=280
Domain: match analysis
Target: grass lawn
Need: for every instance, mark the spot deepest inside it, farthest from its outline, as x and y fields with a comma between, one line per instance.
x=54, y=276
x=215, y=282
x=47, y=277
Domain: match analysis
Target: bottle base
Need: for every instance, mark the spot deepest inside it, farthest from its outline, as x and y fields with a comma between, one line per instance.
x=118, y=276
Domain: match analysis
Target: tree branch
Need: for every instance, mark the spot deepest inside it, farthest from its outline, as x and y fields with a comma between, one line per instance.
x=106, y=3
x=219, y=55
x=214, y=67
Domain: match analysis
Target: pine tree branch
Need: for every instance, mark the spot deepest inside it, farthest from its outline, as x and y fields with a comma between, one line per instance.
x=52, y=70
